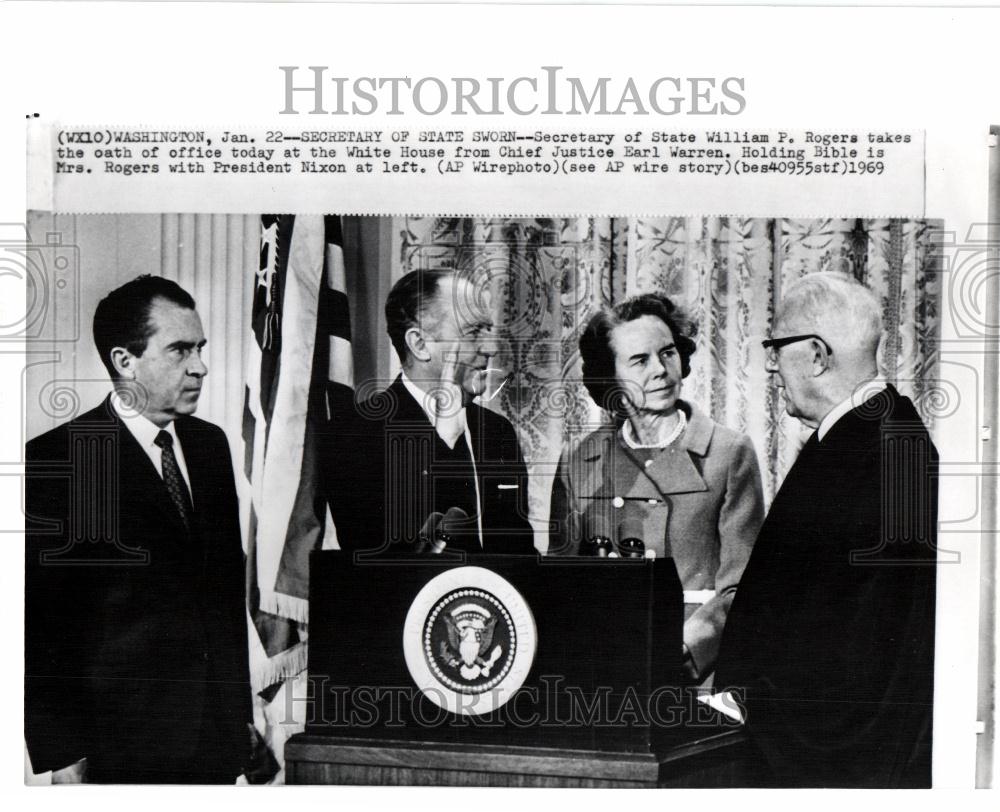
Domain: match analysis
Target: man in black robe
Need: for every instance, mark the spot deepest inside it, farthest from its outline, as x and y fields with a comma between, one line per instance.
x=829, y=643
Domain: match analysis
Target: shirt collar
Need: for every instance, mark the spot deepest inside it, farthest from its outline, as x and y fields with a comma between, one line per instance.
x=143, y=429
x=861, y=393
x=450, y=426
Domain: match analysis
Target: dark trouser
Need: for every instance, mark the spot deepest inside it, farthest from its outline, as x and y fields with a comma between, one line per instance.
x=151, y=775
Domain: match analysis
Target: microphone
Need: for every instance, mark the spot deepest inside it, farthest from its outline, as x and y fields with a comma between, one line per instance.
x=426, y=536
x=599, y=543
x=630, y=542
x=451, y=526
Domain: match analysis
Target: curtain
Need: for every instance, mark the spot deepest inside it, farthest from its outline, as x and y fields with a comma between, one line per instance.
x=213, y=257
x=548, y=276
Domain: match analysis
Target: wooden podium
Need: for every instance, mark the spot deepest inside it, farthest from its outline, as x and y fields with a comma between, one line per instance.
x=503, y=671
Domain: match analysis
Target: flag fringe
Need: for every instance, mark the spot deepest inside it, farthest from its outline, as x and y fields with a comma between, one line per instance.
x=280, y=667
x=287, y=606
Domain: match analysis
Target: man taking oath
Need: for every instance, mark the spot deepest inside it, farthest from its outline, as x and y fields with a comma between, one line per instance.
x=422, y=458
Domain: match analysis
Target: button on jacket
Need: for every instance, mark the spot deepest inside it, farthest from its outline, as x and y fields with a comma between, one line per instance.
x=699, y=500
x=385, y=470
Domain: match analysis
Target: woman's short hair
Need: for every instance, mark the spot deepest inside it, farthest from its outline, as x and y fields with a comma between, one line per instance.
x=598, y=355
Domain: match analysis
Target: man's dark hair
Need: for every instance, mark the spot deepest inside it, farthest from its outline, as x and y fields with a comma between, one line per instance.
x=122, y=317
x=598, y=356
x=409, y=298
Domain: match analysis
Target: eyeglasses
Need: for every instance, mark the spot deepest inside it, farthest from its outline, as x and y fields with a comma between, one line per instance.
x=772, y=345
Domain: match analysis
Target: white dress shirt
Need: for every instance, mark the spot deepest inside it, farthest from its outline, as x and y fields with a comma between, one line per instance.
x=145, y=431
x=449, y=427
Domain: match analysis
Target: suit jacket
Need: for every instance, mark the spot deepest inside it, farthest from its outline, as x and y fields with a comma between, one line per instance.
x=830, y=640
x=381, y=466
x=135, y=631
x=707, y=507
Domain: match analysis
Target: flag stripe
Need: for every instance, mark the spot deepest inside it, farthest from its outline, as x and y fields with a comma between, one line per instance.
x=341, y=362
x=249, y=429
x=298, y=357
x=337, y=315
x=287, y=427
x=276, y=633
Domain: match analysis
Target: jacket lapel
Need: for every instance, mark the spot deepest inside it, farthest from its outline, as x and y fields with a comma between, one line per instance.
x=406, y=410
x=201, y=468
x=673, y=470
x=197, y=464
x=597, y=458
x=140, y=475
x=486, y=448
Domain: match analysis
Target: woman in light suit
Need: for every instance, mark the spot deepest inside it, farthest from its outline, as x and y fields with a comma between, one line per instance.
x=693, y=486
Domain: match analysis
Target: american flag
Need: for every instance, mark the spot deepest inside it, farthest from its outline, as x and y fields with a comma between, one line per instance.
x=299, y=363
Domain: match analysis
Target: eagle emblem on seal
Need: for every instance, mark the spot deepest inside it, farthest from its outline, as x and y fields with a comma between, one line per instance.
x=470, y=636
x=469, y=640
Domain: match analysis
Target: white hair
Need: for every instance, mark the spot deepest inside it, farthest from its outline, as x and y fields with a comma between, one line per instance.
x=838, y=307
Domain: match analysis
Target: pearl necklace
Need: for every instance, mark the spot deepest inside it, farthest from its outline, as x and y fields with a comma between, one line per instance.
x=631, y=442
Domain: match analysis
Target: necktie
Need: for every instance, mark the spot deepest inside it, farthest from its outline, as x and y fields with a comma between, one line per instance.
x=172, y=478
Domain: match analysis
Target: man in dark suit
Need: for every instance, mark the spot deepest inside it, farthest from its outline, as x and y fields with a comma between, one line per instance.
x=422, y=446
x=136, y=662
x=830, y=639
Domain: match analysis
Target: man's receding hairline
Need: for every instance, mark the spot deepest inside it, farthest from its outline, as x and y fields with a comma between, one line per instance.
x=440, y=300
x=159, y=299
x=431, y=306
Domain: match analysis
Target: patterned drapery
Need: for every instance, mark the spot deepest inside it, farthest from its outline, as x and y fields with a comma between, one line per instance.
x=548, y=276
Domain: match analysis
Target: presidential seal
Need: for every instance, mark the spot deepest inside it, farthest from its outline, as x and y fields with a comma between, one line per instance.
x=469, y=640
